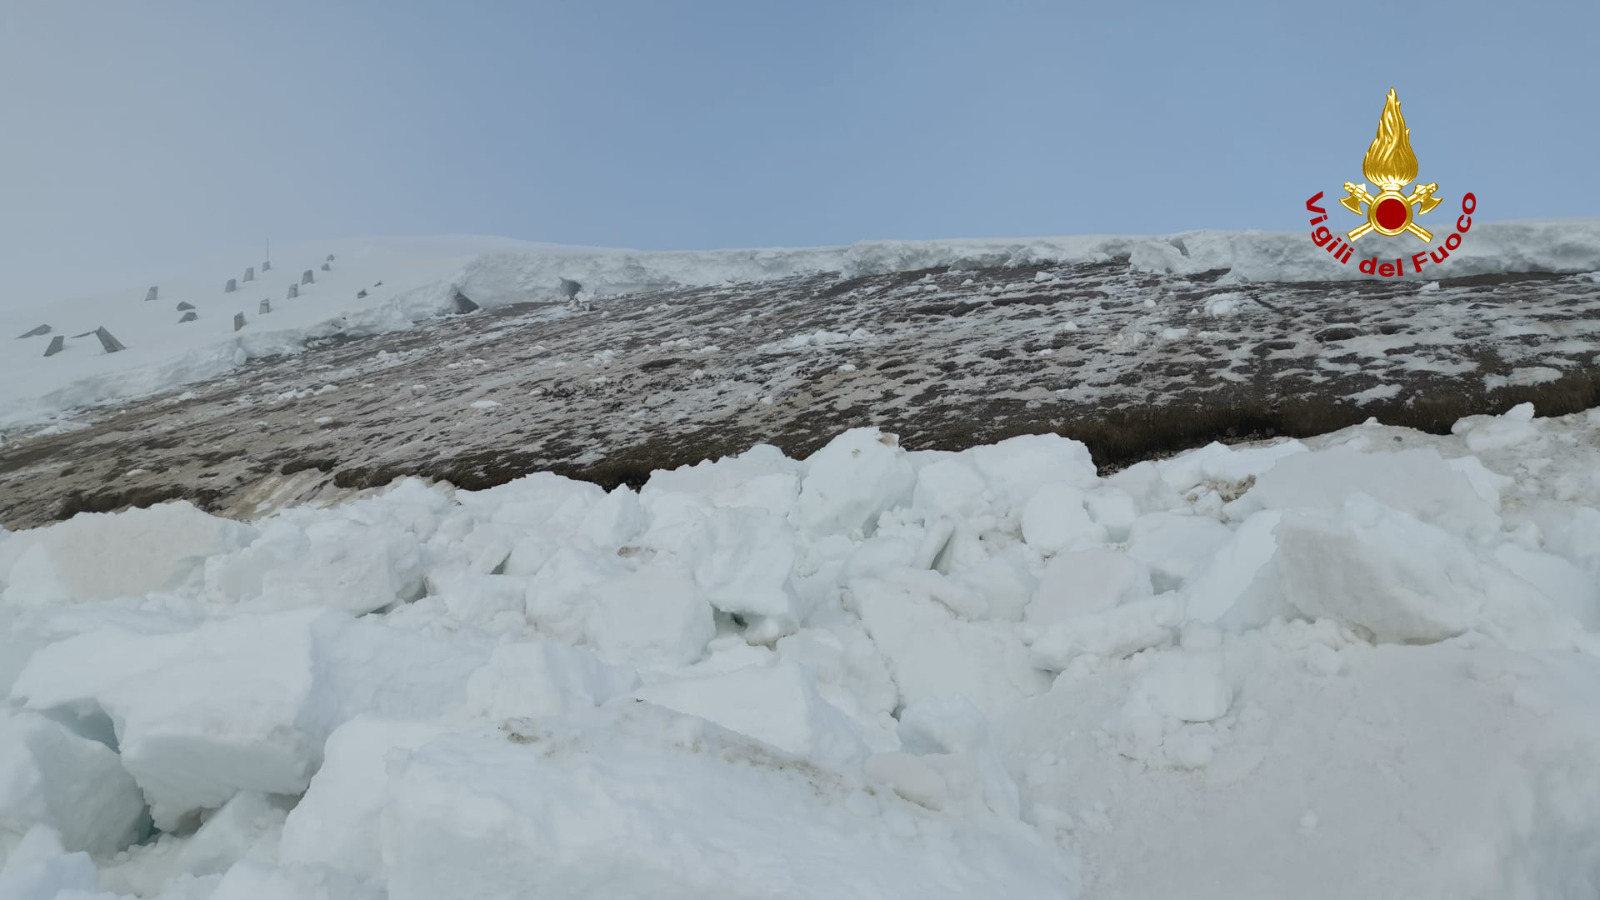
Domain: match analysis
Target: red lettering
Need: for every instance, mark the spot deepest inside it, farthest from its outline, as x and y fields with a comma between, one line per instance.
x=1386, y=270
x=1369, y=265
x=1439, y=254
x=1453, y=241
x=1468, y=203
x=1416, y=260
x=1322, y=236
x=1311, y=205
x=1464, y=224
x=1344, y=255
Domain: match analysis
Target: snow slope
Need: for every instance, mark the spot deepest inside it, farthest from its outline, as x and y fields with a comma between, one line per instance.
x=1363, y=665
x=418, y=278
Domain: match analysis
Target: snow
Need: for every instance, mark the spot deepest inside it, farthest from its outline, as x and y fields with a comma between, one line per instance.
x=851, y=480
x=1055, y=519
x=50, y=776
x=99, y=557
x=1377, y=568
x=332, y=825
x=638, y=802
x=273, y=692
x=39, y=868
x=1084, y=582
x=1362, y=664
x=421, y=276
x=775, y=703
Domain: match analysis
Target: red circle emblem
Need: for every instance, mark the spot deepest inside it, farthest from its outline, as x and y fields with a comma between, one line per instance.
x=1391, y=214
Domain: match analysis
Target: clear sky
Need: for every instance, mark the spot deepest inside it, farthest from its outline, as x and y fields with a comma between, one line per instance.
x=139, y=135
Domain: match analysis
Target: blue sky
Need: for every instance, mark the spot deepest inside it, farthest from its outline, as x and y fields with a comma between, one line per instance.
x=143, y=134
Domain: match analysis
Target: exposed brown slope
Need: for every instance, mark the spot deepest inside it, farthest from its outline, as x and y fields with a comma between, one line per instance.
x=945, y=359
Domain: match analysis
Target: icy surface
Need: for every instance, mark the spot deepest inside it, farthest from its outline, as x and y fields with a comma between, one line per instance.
x=1359, y=665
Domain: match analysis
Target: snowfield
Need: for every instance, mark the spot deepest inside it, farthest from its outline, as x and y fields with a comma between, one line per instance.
x=1360, y=665
x=385, y=285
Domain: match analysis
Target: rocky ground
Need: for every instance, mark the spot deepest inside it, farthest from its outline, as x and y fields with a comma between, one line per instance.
x=1133, y=364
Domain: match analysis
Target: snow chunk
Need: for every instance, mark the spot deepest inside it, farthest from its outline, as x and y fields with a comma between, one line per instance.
x=1175, y=545
x=1239, y=584
x=240, y=704
x=1399, y=578
x=655, y=617
x=850, y=481
x=1086, y=582
x=1225, y=304
x=949, y=762
x=1417, y=482
x=645, y=806
x=1113, y=509
x=613, y=521
x=1488, y=433
x=542, y=678
x=745, y=569
x=1571, y=589
x=1220, y=463
x=102, y=556
x=760, y=477
x=336, y=823
x=339, y=562
x=932, y=654
x=950, y=487
x=1112, y=634
x=1144, y=483
x=1054, y=519
x=776, y=704
x=1017, y=467
x=51, y=776
x=39, y=868
x=246, y=826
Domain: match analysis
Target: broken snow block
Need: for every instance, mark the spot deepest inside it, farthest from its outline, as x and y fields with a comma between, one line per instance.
x=266, y=266
x=150, y=294
x=250, y=274
x=231, y=286
x=188, y=317
x=185, y=305
x=57, y=344
x=463, y=305
x=306, y=277
x=238, y=321
x=111, y=344
x=330, y=257
x=294, y=291
x=83, y=335
x=266, y=307
x=327, y=268
x=42, y=329
x=360, y=294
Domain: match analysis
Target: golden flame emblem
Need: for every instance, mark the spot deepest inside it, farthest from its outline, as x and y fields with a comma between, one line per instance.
x=1391, y=165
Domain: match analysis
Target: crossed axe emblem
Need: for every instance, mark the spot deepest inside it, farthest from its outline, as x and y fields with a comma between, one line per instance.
x=1421, y=197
